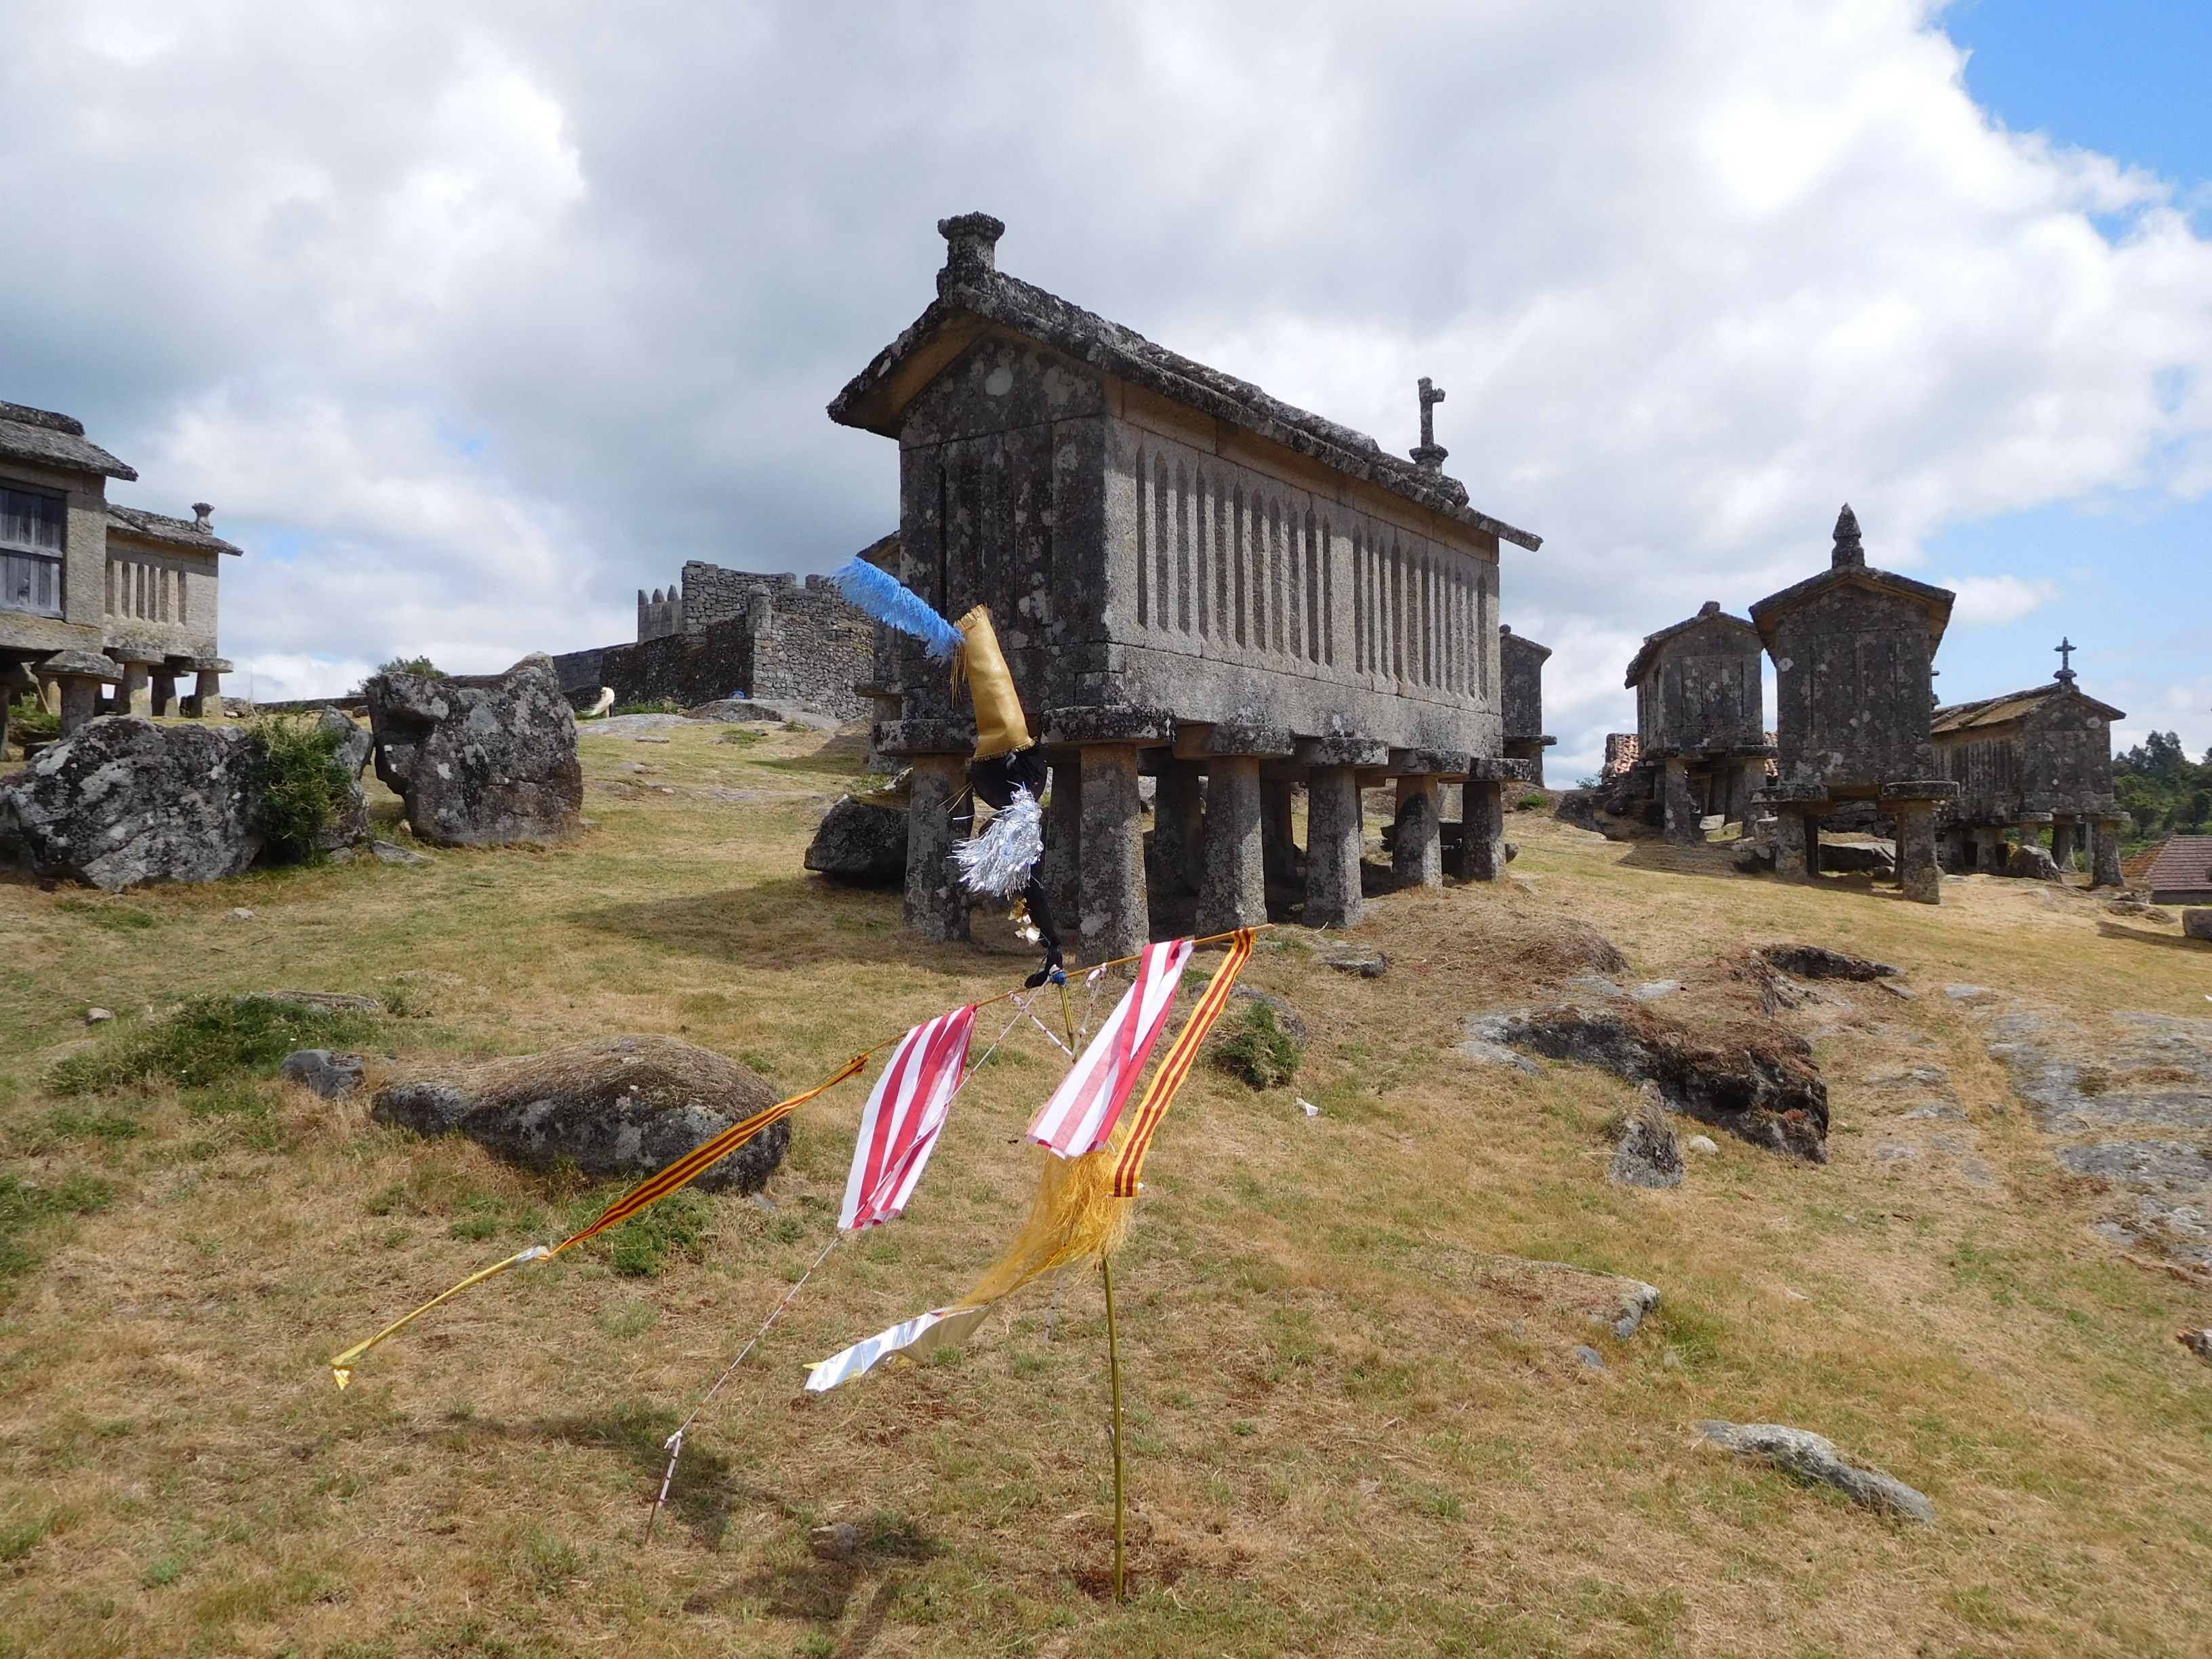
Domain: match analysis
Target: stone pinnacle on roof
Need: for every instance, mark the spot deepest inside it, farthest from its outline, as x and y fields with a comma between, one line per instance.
x=203, y=515
x=971, y=248
x=1710, y=608
x=1849, y=551
x=1429, y=454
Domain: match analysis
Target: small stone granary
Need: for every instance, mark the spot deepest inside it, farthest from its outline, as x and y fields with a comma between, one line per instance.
x=1854, y=651
x=735, y=634
x=94, y=595
x=2029, y=759
x=1700, y=721
x=1186, y=576
x=1520, y=661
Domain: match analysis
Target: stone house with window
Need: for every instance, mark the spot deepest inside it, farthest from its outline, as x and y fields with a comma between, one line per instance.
x=1189, y=577
x=94, y=595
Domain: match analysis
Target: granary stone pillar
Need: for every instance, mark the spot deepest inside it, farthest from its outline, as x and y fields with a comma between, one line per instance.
x=1417, y=850
x=1680, y=805
x=76, y=678
x=1061, y=866
x=1333, y=838
x=1278, y=846
x=1918, y=872
x=1233, y=890
x=2105, y=854
x=136, y=695
x=1788, y=838
x=937, y=752
x=936, y=903
x=207, y=693
x=161, y=689
x=1179, y=805
x=1110, y=898
x=1988, y=849
x=1482, y=852
x=1111, y=879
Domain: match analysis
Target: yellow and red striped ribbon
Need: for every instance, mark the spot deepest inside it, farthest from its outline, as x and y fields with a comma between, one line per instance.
x=700, y=1158
x=1176, y=1066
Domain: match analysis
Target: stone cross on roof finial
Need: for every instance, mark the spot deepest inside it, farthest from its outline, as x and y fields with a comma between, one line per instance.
x=1429, y=455
x=1849, y=551
x=2066, y=649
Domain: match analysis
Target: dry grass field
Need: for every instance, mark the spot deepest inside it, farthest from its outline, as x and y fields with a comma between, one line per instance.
x=1347, y=1435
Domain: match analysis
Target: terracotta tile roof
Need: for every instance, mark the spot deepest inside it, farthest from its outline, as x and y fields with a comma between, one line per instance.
x=2135, y=867
x=2184, y=863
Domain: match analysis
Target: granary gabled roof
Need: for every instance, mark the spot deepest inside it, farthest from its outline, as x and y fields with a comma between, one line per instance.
x=1710, y=612
x=1505, y=632
x=42, y=438
x=1848, y=567
x=2013, y=706
x=160, y=527
x=973, y=296
x=2184, y=863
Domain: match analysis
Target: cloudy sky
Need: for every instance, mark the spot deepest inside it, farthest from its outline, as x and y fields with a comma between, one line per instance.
x=472, y=317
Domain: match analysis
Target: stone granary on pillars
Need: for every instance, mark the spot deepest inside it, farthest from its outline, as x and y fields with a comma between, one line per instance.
x=2029, y=759
x=92, y=594
x=1520, y=669
x=1854, y=652
x=1701, y=742
x=1189, y=577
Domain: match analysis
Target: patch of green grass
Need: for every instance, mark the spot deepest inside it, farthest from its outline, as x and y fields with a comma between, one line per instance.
x=117, y=918
x=1258, y=1049
x=25, y=1204
x=207, y=1040
x=646, y=1246
x=20, y=1539
x=64, y=1124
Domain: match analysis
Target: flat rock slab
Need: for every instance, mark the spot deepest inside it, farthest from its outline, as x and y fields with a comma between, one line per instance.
x=332, y=1076
x=2127, y=1098
x=623, y=1106
x=124, y=803
x=1808, y=1457
x=1619, y=1303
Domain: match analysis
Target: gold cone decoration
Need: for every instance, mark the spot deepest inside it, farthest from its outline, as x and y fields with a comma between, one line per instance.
x=1001, y=726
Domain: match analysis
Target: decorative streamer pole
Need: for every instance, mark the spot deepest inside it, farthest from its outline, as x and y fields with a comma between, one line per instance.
x=1113, y=1371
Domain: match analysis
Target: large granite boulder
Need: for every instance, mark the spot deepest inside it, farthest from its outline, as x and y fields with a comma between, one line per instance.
x=349, y=827
x=2029, y=862
x=861, y=843
x=620, y=1106
x=480, y=759
x=125, y=803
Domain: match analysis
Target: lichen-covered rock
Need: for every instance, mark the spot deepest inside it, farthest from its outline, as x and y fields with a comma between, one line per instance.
x=1650, y=1153
x=349, y=827
x=1808, y=1457
x=617, y=1107
x=2029, y=862
x=861, y=843
x=480, y=759
x=126, y=803
x=1752, y=1078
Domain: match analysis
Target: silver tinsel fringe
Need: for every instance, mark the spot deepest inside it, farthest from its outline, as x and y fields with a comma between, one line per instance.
x=998, y=862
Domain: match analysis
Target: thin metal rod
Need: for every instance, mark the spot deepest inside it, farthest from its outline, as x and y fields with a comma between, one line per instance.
x=1114, y=1370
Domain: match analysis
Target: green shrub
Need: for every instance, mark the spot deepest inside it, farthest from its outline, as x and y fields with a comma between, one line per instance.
x=1258, y=1049
x=665, y=706
x=209, y=1040
x=419, y=665
x=28, y=718
x=303, y=786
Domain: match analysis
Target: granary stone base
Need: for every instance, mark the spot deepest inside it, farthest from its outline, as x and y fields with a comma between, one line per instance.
x=1235, y=890
x=1111, y=879
x=1417, y=858
x=936, y=903
x=1333, y=838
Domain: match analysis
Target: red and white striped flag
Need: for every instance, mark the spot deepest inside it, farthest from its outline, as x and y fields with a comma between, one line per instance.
x=1081, y=1115
x=898, y=1131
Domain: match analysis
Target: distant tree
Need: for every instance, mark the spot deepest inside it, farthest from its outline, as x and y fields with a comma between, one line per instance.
x=428, y=670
